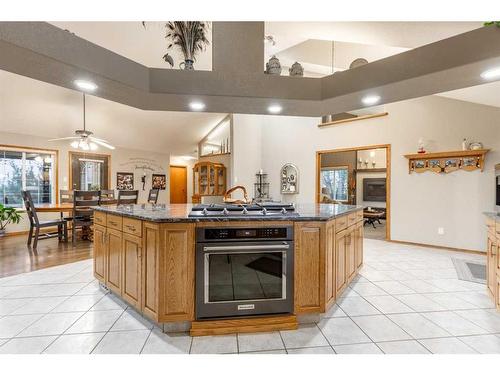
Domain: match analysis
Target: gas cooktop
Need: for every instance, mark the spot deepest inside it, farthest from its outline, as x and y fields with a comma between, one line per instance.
x=243, y=210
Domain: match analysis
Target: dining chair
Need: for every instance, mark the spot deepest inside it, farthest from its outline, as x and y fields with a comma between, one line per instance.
x=107, y=194
x=84, y=203
x=153, y=196
x=128, y=196
x=36, y=224
x=65, y=196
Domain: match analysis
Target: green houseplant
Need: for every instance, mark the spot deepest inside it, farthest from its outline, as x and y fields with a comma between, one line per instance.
x=8, y=215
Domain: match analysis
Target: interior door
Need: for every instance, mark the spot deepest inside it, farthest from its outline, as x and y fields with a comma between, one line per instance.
x=178, y=184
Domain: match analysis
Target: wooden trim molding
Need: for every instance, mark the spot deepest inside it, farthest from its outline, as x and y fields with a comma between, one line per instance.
x=244, y=325
x=387, y=146
x=437, y=247
x=70, y=157
x=359, y=118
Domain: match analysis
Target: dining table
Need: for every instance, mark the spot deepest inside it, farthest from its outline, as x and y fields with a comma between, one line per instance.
x=66, y=206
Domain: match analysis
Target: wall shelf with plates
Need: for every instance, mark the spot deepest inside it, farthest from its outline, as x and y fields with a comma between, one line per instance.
x=446, y=162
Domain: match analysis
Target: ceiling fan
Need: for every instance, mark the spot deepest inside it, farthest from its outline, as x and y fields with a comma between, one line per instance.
x=84, y=138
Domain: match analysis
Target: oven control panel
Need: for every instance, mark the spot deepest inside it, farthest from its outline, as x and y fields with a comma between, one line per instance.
x=237, y=234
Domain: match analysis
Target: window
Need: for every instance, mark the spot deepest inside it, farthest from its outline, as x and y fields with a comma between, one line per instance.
x=32, y=170
x=334, y=183
x=89, y=171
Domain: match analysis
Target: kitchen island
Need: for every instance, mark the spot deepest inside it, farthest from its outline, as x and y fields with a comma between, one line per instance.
x=147, y=255
x=493, y=257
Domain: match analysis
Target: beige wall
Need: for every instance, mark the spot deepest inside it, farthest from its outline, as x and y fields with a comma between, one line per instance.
x=421, y=203
x=119, y=157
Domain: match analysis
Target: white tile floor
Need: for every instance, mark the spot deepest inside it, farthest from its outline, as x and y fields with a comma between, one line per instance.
x=406, y=300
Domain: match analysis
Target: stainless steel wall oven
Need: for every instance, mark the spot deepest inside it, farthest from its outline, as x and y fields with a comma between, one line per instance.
x=244, y=271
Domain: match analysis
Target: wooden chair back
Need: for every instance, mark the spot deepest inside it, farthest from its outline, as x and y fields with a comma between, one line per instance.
x=107, y=194
x=30, y=208
x=65, y=196
x=153, y=196
x=128, y=196
x=84, y=203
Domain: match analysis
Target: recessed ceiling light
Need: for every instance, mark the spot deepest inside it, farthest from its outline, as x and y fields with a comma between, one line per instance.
x=197, y=106
x=85, y=85
x=491, y=73
x=370, y=99
x=274, y=108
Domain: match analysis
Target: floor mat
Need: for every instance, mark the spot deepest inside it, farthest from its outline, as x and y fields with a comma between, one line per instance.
x=470, y=270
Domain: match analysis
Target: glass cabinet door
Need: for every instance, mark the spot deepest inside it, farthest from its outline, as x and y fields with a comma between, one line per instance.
x=203, y=179
x=221, y=180
x=212, y=180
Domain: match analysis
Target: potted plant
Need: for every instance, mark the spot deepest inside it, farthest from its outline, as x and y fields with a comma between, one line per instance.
x=8, y=215
x=190, y=37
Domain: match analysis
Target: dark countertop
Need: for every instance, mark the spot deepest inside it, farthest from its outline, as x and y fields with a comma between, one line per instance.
x=177, y=213
x=492, y=215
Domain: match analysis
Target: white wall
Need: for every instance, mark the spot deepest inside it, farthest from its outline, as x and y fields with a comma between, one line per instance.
x=420, y=202
x=119, y=156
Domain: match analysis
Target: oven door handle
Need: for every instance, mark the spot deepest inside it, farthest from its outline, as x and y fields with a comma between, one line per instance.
x=247, y=247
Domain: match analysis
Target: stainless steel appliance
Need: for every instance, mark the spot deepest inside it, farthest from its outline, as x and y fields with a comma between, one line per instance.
x=244, y=210
x=244, y=271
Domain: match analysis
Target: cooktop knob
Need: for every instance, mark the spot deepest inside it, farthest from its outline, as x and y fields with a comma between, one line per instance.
x=225, y=211
x=264, y=211
x=245, y=211
x=283, y=210
x=205, y=211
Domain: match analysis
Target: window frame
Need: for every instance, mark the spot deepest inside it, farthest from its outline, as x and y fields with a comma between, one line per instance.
x=73, y=154
x=55, y=169
x=334, y=168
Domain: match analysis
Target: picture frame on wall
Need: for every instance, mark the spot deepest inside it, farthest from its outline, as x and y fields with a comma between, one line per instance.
x=124, y=181
x=159, y=181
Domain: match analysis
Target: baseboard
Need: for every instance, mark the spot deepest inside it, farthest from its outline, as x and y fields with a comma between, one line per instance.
x=456, y=249
x=243, y=325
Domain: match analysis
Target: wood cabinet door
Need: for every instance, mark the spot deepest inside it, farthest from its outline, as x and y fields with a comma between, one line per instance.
x=330, y=264
x=113, y=260
x=131, y=269
x=150, y=264
x=350, y=253
x=176, y=272
x=309, y=278
x=340, y=261
x=358, y=238
x=491, y=270
x=100, y=253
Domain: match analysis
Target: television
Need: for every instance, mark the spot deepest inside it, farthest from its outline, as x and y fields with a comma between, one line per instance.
x=374, y=189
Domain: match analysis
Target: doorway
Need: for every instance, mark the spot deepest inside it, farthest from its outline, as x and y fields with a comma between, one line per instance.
x=178, y=184
x=358, y=176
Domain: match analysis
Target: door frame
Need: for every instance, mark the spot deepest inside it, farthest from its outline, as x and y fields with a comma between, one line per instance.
x=169, y=189
x=387, y=147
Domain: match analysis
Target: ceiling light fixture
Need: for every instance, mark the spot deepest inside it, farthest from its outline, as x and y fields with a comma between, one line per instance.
x=197, y=106
x=491, y=73
x=274, y=108
x=370, y=99
x=85, y=85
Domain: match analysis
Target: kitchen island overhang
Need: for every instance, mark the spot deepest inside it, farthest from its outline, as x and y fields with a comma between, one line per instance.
x=146, y=255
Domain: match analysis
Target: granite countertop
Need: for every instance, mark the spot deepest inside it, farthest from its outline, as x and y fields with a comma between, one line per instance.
x=493, y=215
x=172, y=213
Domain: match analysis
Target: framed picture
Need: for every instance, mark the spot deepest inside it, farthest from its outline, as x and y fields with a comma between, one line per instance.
x=159, y=181
x=124, y=181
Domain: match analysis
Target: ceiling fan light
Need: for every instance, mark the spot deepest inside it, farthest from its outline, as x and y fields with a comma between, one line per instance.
x=93, y=146
x=74, y=144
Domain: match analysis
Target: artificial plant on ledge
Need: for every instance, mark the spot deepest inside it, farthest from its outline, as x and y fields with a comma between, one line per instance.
x=189, y=37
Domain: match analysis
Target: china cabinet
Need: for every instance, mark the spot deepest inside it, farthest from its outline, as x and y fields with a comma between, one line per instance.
x=209, y=179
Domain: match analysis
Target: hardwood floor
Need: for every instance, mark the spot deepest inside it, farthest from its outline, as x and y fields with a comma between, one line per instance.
x=16, y=257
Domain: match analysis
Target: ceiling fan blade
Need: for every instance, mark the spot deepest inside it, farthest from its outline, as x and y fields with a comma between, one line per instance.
x=62, y=139
x=101, y=143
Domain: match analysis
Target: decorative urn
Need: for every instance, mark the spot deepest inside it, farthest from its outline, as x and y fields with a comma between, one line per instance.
x=273, y=66
x=296, y=70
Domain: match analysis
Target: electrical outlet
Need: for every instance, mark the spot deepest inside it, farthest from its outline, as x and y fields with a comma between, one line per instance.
x=441, y=230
